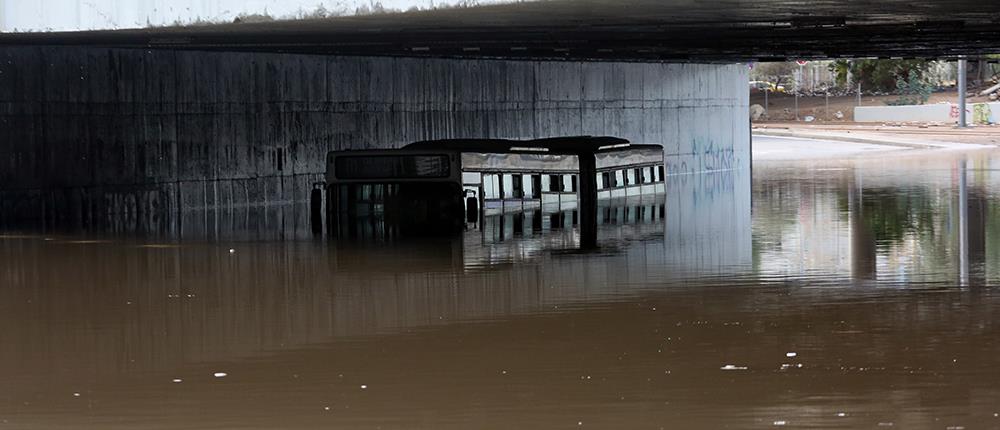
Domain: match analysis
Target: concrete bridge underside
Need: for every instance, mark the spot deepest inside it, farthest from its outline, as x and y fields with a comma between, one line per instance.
x=689, y=30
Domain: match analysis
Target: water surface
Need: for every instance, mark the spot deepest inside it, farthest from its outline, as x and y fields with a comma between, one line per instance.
x=824, y=294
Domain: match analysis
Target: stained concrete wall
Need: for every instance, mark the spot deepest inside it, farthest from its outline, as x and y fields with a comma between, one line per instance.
x=181, y=142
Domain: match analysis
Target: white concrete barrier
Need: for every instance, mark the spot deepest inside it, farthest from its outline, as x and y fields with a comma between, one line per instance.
x=980, y=113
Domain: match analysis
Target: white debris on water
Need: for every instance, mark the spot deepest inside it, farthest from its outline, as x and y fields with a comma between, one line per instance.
x=220, y=374
x=734, y=367
x=841, y=414
x=886, y=424
x=364, y=387
x=76, y=394
x=177, y=380
x=791, y=354
x=780, y=423
x=232, y=251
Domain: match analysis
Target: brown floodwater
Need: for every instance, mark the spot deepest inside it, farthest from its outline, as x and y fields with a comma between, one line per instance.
x=819, y=294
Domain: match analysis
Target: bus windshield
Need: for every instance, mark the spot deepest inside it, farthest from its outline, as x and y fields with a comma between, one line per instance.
x=385, y=210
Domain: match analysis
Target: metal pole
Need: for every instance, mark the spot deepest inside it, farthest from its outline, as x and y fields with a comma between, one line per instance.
x=827, y=105
x=859, y=93
x=962, y=88
x=766, y=90
x=798, y=90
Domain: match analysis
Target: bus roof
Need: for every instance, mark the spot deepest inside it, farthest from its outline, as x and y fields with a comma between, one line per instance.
x=555, y=145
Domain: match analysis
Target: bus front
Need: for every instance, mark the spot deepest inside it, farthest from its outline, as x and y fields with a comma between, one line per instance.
x=384, y=194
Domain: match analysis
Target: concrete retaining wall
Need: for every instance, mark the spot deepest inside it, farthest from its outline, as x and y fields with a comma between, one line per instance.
x=98, y=137
x=942, y=112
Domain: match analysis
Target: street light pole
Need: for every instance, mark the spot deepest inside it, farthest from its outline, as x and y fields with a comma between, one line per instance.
x=798, y=90
x=962, y=76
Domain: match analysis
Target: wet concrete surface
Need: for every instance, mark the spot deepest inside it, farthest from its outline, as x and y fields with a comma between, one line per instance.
x=794, y=148
x=857, y=294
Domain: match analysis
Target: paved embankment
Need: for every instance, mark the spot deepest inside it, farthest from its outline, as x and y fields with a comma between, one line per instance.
x=908, y=136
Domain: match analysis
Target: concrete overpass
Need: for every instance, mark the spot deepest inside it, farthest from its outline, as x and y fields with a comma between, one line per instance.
x=694, y=30
x=153, y=125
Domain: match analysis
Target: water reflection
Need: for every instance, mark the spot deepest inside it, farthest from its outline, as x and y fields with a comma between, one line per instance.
x=905, y=219
x=839, y=303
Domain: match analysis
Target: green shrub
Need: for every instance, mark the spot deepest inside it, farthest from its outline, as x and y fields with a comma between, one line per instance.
x=912, y=91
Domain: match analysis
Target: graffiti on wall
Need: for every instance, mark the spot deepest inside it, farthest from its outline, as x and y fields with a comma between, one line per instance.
x=981, y=113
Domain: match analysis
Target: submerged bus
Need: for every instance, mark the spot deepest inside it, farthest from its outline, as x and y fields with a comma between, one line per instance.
x=443, y=186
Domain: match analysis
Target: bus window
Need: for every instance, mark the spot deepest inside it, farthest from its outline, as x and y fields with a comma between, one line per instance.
x=529, y=186
x=600, y=181
x=508, y=186
x=619, y=178
x=569, y=183
x=491, y=186
x=608, y=183
x=659, y=173
x=556, y=183
x=630, y=179
x=647, y=175
x=471, y=178
x=517, y=187
x=546, y=183
x=536, y=185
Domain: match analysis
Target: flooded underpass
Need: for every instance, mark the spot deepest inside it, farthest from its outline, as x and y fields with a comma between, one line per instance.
x=826, y=293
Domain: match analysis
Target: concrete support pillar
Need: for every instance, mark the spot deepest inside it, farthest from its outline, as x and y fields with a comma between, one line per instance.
x=231, y=129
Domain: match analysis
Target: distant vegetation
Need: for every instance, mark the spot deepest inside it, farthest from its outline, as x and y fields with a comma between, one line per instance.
x=914, y=90
x=881, y=75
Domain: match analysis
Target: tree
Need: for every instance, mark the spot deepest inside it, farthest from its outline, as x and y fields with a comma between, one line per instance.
x=912, y=91
x=880, y=75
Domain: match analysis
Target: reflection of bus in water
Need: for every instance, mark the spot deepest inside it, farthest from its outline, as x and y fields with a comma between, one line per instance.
x=447, y=186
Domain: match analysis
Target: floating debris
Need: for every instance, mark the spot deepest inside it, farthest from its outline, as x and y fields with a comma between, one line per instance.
x=780, y=423
x=734, y=367
x=791, y=354
x=364, y=387
x=220, y=374
x=177, y=380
